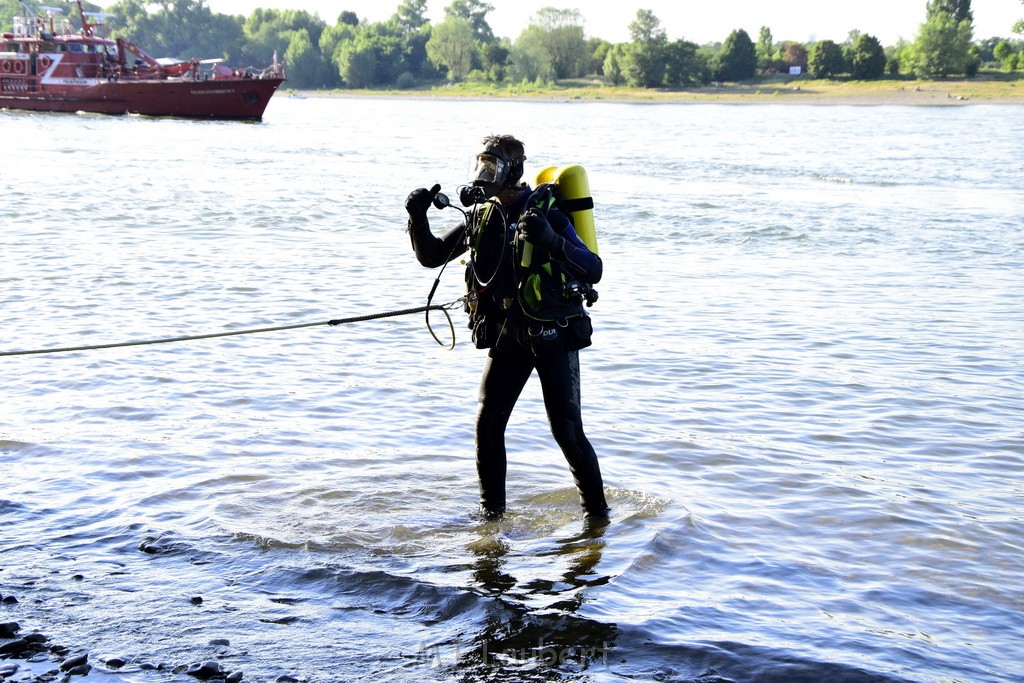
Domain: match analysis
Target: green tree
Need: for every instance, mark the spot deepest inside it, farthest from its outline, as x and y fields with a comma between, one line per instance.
x=851, y=39
x=943, y=43
x=684, y=65
x=826, y=60
x=8, y=10
x=959, y=10
x=868, y=58
x=411, y=15
x=333, y=37
x=475, y=12
x=986, y=48
x=529, y=62
x=1007, y=54
x=357, y=63
x=795, y=54
x=765, y=48
x=1019, y=26
x=560, y=37
x=899, y=57
x=268, y=30
x=452, y=45
x=388, y=39
x=397, y=47
x=598, y=51
x=737, y=60
x=410, y=26
x=181, y=30
x=416, y=58
x=307, y=67
x=495, y=59
x=612, y=66
x=644, y=65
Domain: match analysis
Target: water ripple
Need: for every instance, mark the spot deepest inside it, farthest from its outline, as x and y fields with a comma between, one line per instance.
x=804, y=390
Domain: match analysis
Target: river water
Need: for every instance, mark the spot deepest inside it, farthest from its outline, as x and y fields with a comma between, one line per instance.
x=805, y=390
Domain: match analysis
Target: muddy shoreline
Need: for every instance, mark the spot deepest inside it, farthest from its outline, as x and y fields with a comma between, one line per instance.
x=888, y=93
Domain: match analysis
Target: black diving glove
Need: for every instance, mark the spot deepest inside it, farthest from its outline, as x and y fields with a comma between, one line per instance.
x=537, y=230
x=419, y=201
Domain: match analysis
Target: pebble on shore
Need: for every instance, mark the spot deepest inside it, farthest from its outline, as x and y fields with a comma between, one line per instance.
x=32, y=658
x=34, y=649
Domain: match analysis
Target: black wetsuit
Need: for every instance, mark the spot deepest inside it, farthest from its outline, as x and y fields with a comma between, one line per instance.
x=501, y=326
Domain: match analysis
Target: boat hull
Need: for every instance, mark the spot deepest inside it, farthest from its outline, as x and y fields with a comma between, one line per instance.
x=214, y=99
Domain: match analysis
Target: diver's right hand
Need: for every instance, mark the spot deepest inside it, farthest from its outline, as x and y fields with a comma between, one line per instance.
x=419, y=201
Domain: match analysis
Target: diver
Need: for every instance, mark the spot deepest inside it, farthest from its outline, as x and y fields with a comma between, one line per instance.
x=527, y=278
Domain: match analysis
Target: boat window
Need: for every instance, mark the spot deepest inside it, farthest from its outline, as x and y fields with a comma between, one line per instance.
x=74, y=47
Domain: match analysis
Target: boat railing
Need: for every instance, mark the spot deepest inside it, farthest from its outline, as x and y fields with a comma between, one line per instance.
x=219, y=71
x=98, y=24
x=35, y=26
x=24, y=27
x=275, y=70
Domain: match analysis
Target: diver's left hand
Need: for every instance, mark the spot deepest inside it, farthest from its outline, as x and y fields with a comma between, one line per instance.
x=537, y=230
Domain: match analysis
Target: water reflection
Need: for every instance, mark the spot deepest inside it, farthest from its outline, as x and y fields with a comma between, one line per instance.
x=536, y=643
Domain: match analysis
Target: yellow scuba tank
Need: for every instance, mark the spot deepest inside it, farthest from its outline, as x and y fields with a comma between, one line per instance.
x=573, y=187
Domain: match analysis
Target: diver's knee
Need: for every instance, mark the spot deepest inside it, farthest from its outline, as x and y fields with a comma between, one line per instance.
x=568, y=434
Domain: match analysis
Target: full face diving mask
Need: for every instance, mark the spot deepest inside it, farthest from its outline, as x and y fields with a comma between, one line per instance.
x=488, y=170
x=491, y=171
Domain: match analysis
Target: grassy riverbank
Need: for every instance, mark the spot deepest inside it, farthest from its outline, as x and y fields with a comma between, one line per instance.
x=985, y=89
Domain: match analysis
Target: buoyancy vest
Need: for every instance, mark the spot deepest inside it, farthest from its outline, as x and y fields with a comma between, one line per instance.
x=510, y=296
x=547, y=291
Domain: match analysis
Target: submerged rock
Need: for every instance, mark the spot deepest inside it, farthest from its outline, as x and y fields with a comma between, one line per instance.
x=8, y=629
x=151, y=546
x=73, y=662
x=14, y=648
x=162, y=543
x=206, y=671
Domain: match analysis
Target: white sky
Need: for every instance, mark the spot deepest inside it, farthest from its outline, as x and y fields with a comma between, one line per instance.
x=700, y=22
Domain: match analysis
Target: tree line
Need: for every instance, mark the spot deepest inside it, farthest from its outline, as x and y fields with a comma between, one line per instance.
x=407, y=50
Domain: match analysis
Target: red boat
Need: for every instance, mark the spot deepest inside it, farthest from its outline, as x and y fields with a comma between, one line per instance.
x=44, y=67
